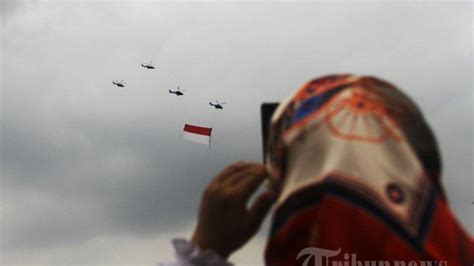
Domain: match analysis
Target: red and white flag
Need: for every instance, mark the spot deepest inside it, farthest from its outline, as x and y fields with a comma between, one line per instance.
x=198, y=134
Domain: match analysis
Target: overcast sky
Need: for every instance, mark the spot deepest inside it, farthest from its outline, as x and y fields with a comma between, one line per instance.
x=92, y=173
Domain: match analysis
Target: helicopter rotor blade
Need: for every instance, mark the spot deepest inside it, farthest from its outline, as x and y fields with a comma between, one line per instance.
x=223, y=103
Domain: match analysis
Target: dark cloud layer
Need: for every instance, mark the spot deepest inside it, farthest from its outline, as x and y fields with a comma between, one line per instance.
x=82, y=160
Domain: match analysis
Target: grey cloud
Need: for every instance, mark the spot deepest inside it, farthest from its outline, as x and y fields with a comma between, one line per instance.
x=9, y=7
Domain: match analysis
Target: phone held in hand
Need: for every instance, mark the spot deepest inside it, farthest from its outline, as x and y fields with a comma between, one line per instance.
x=266, y=112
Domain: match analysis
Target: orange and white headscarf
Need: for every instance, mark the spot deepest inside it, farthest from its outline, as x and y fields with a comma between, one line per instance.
x=359, y=171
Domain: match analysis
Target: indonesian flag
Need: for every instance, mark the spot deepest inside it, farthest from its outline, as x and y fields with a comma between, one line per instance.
x=198, y=134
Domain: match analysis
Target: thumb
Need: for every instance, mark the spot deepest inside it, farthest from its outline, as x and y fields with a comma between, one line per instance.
x=260, y=208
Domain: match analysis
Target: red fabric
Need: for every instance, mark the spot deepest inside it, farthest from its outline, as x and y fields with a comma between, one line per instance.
x=335, y=223
x=446, y=239
x=206, y=131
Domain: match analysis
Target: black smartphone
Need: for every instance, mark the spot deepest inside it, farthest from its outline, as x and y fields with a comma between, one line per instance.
x=266, y=112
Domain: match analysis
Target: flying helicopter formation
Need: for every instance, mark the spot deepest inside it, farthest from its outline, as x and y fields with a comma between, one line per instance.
x=177, y=92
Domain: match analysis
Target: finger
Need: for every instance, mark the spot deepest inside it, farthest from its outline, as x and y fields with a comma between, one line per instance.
x=248, y=181
x=244, y=171
x=260, y=208
x=230, y=170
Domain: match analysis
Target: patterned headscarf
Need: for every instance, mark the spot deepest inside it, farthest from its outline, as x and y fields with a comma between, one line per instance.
x=358, y=169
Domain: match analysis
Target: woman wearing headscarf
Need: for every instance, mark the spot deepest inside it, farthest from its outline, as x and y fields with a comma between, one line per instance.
x=355, y=172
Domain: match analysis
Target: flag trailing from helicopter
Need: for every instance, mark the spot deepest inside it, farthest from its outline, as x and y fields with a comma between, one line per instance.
x=198, y=134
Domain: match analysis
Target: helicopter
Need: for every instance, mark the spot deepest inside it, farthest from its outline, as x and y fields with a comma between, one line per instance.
x=148, y=65
x=177, y=92
x=118, y=83
x=217, y=105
